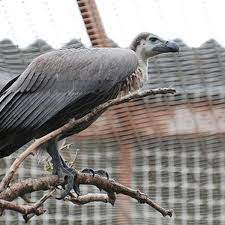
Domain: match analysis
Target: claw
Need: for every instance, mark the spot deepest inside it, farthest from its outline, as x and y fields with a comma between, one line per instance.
x=68, y=187
x=102, y=173
x=76, y=187
x=68, y=176
x=88, y=170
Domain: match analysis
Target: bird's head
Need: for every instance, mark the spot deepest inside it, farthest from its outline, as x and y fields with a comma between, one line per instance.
x=148, y=45
x=145, y=45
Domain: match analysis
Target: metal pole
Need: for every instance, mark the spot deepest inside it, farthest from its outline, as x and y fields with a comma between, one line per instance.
x=98, y=38
x=93, y=23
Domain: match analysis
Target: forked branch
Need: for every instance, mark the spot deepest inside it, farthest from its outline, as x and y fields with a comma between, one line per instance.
x=7, y=195
x=109, y=186
x=75, y=123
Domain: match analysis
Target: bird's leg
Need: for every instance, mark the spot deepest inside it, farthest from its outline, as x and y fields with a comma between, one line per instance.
x=87, y=170
x=62, y=170
x=65, y=165
x=68, y=174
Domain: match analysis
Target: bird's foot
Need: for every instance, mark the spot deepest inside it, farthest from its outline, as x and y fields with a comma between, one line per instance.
x=102, y=173
x=68, y=176
x=88, y=170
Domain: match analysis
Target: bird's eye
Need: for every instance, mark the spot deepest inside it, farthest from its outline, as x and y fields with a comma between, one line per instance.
x=153, y=39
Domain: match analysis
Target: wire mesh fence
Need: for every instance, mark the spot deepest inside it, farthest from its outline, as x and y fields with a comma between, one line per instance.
x=171, y=147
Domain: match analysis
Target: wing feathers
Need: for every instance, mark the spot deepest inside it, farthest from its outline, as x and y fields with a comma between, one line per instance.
x=67, y=82
x=31, y=105
x=45, y=112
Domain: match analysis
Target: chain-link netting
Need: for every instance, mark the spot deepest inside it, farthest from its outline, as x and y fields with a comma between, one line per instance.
x=170, y=147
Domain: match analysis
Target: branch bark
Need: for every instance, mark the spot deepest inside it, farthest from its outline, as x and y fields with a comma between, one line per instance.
x=84, y=199
x=73, y=124
x=110, y=186
x=23, y=209
x=8, y=194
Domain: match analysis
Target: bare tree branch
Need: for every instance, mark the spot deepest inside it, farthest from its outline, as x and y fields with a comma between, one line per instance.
x=37, y=205
x=75, y=123
x=8, y=194
x=110, y=186
x=28, y=211
x=23, y=209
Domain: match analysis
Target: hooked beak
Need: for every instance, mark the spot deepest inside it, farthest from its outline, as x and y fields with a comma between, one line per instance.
x=168, y=46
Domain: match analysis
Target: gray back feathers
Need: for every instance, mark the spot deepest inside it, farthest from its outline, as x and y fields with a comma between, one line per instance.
x=60, y=85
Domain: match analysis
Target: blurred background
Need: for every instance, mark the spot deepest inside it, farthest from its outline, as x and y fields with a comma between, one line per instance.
x=170, y=147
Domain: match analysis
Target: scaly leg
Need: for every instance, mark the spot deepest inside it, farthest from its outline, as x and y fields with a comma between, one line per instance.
x=64, y=172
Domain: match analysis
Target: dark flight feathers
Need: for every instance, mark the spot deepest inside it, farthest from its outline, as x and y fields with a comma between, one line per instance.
x=57, y=86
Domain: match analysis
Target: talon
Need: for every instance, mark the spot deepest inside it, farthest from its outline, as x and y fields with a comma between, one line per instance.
x=76, y=188
x=68, y=187
x=88, y=170
x=69, y=178
x=102, y=173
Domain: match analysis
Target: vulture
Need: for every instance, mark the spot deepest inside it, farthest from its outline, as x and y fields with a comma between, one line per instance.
x=69, y=83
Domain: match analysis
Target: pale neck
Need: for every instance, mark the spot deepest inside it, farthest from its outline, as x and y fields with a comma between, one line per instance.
x=142, y=62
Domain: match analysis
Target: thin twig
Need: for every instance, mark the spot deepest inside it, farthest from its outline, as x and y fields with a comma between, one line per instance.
x=23, y=209
x=28, y=211
x=74, y=159
x=27, y=200
x=44, y=198
x=66, y=146
x=37, y=205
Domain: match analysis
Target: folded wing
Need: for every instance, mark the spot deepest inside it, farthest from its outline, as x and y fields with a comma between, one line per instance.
x=59, y=85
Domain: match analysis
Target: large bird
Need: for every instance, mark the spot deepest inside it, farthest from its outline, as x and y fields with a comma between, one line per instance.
x=69, y=83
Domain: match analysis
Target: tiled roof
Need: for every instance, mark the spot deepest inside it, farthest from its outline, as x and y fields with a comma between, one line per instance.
x=171, y=147
x=198, y=70
x=14, y=60
x=196, y=73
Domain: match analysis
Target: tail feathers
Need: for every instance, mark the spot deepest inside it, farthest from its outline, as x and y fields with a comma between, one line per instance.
x=11, y=144
x=7, y=149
